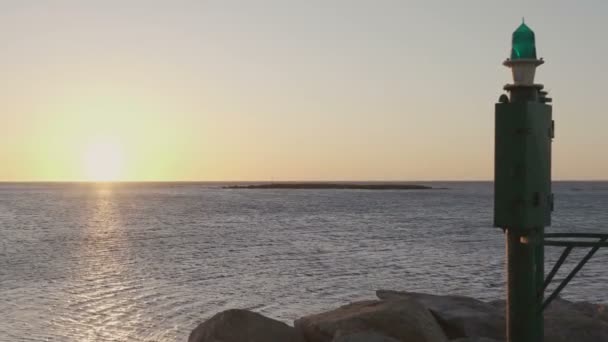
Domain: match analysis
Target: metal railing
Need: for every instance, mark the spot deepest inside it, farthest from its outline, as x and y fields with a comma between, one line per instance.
x=574, y=240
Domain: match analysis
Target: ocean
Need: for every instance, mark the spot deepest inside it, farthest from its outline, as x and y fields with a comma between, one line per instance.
x=150, y=261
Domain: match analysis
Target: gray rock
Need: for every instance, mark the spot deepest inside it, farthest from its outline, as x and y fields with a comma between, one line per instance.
x=364, y=337
x=458, y=316
x=599, y=311
x=474, y=339
x=572, y=321
x=403, y=320
x=464, y=317
x=243, y=326
x=580, y=322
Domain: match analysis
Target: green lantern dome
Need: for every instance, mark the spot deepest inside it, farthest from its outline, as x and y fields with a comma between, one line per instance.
x=523, y=44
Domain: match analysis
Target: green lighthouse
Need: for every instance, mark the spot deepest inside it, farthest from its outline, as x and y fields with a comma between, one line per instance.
x=522, y=186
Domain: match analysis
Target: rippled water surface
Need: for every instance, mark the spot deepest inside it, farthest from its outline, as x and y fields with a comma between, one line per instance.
x=149, y=262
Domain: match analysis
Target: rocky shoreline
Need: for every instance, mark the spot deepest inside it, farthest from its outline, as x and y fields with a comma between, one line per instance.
x=406, y=317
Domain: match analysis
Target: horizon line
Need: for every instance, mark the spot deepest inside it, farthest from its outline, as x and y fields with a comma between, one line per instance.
x=273, y=181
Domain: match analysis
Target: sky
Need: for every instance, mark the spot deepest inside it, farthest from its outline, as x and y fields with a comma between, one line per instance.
x=204, y=90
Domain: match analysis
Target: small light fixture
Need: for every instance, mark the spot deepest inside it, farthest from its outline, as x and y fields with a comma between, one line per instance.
x=523, y=61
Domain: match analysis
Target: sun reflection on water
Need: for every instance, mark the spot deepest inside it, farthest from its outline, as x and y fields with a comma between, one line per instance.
x=102, y=296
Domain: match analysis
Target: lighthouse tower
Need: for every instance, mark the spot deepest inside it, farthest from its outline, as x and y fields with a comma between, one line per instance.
x=522, y=186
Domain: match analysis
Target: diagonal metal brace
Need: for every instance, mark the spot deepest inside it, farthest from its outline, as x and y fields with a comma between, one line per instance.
x=556, y=267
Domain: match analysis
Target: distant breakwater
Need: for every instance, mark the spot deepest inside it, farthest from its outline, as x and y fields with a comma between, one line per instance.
x=333, y=186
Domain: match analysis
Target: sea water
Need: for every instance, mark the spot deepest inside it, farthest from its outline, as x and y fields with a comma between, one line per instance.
x=148, y=262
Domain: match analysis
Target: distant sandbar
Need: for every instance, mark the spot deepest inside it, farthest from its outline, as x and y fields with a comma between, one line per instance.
x=339, y=186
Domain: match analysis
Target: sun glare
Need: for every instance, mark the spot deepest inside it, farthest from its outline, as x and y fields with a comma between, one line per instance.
x=103, y=160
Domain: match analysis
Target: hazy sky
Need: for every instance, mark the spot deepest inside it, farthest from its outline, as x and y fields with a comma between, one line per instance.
x=287, y=90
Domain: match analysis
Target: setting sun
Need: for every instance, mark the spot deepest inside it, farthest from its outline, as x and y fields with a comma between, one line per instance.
x=104, y=160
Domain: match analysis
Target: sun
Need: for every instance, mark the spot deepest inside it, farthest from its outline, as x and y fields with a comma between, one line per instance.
x=103, y=160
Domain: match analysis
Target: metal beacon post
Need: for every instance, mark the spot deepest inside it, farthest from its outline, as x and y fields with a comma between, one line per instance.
x=522, y=186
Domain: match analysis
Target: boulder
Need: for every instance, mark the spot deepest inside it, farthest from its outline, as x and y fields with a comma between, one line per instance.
x=474, y=339
x=458, y=316
x=402, y=320
x=581, y=322
x=464, y=317
x=364, y=337
x=243, y=326
x=572, y=321
x=596, y=311
x=599, y=311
